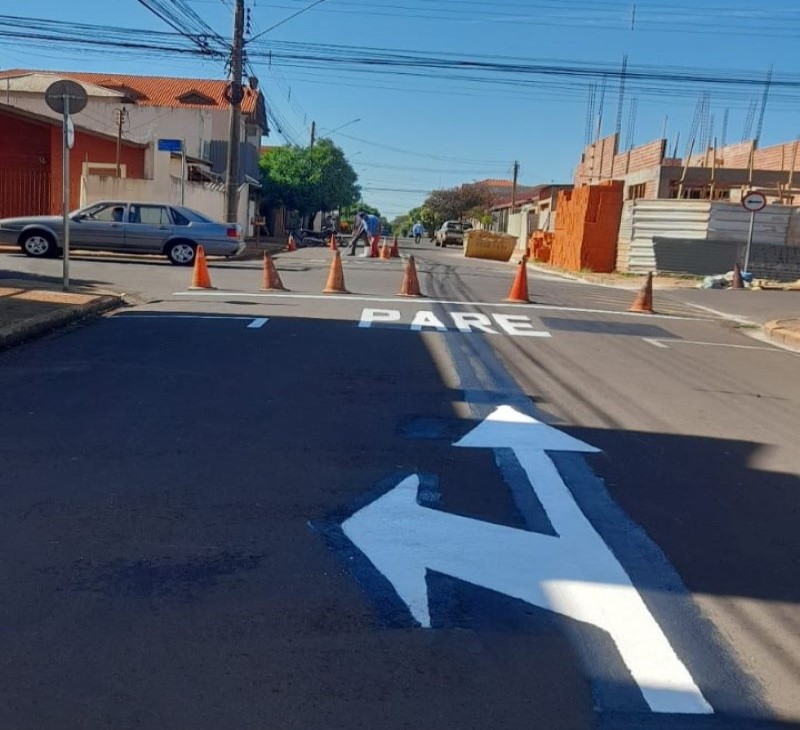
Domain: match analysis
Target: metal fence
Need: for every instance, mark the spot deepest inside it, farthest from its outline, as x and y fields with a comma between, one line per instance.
x=24, y=192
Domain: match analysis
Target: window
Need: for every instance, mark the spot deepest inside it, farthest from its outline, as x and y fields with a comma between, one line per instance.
x=150, y=215
x=109, y=213
x=178, y=218
x=637, y=191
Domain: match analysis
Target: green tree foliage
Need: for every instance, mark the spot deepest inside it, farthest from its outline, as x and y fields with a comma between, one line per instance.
x=457, y=203
x=309, y=179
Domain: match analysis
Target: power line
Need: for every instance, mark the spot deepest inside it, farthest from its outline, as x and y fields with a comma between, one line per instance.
x=286, y=20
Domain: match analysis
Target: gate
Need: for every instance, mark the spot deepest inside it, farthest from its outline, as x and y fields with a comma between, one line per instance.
x=24, y=192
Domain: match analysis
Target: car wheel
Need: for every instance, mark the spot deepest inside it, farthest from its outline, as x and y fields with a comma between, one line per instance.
x=39, y=245
x=181, y=253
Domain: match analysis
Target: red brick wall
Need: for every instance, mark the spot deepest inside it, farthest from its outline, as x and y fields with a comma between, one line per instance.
x=93, y=149
x=778, y=157
x=598, y=161
x=736, y=155
x=616, y=166
x=587, y=227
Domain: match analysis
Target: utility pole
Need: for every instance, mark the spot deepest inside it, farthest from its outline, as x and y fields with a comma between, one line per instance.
x=514, y=187
x=313, y=133
x=122, y=114
x=235, y=95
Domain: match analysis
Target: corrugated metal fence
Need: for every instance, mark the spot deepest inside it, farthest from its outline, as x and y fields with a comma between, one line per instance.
x=646, y=222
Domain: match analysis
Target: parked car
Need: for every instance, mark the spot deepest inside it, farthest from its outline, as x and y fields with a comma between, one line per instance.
x=125, y=227
x=451, y=232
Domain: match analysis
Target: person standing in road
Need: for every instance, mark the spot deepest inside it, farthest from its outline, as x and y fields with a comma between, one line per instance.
x=374, y=228
x=417, y=231
x=360, y=230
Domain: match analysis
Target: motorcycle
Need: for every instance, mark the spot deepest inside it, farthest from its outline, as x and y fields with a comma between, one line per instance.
x=306, y=238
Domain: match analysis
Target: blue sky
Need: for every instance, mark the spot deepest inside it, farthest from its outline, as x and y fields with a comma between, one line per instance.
x=443, y=132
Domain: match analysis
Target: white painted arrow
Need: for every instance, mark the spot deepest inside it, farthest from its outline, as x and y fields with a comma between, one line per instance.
x=574, y=574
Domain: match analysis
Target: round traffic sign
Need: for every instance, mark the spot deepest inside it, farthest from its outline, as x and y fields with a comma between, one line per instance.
x=66, y=96
x=754, y=201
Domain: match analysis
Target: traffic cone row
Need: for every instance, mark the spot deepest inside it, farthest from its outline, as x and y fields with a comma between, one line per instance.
x=409, y=287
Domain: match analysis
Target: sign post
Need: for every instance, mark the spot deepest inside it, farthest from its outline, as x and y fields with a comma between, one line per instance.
x=66, y=98
x=754, y=202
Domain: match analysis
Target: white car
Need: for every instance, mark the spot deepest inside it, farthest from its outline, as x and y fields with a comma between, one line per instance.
x=451, y=232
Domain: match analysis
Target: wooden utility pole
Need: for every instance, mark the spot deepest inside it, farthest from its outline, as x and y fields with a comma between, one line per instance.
x=235, y=94
x=514, y=187
x=313, y=133
x=122, y=113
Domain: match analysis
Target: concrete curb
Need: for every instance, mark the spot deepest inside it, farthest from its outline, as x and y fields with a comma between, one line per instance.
x=784, y=331
x=41, y=324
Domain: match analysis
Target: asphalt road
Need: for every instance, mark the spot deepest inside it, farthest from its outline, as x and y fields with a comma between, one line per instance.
x=237, y=509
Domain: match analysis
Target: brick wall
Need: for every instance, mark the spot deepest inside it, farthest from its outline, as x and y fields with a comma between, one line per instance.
x=587, y=227
x=778, y=157
x=597, y=162
x=616, y=165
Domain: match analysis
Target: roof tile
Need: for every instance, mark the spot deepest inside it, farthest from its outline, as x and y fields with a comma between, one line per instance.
x=161, y=91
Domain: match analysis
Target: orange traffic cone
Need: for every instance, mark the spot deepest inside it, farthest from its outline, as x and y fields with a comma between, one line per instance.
x=518, y=293
x=335, y=283
x=272, y=279
x=395, y=250
x=374, y=253
x=644, y=299
x=385, y=252
x=291, y=245
x=738, y=282
x=332, y=243
x=201, y=279
x=410, y=285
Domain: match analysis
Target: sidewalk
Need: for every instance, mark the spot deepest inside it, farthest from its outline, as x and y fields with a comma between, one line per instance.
x=29, y=308
x=776, y=311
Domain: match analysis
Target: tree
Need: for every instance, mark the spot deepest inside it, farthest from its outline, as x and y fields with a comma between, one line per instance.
x=456, y=203
x=309, y=179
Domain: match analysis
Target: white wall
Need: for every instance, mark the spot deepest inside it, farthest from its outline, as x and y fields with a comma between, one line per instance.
x=207, y=198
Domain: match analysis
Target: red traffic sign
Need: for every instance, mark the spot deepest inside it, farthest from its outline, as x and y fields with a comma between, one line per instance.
x=754, y=201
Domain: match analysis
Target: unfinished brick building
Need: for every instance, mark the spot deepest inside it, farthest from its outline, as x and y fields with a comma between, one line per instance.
x=715, y=174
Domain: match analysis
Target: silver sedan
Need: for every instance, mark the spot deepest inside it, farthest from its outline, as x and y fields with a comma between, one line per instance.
x=126, y=227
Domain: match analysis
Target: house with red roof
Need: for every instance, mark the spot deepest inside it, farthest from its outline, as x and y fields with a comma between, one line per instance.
x=116, y=152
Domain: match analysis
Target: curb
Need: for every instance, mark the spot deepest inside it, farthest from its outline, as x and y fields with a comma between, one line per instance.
x=44, y=323
x=784, y=331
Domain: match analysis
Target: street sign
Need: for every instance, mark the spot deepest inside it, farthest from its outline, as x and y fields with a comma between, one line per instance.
x=170, y=145
x=754, y=201
x=66, y=97
x=573, y=572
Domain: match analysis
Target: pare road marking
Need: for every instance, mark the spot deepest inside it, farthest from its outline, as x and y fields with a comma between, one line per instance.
x=516, y=325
